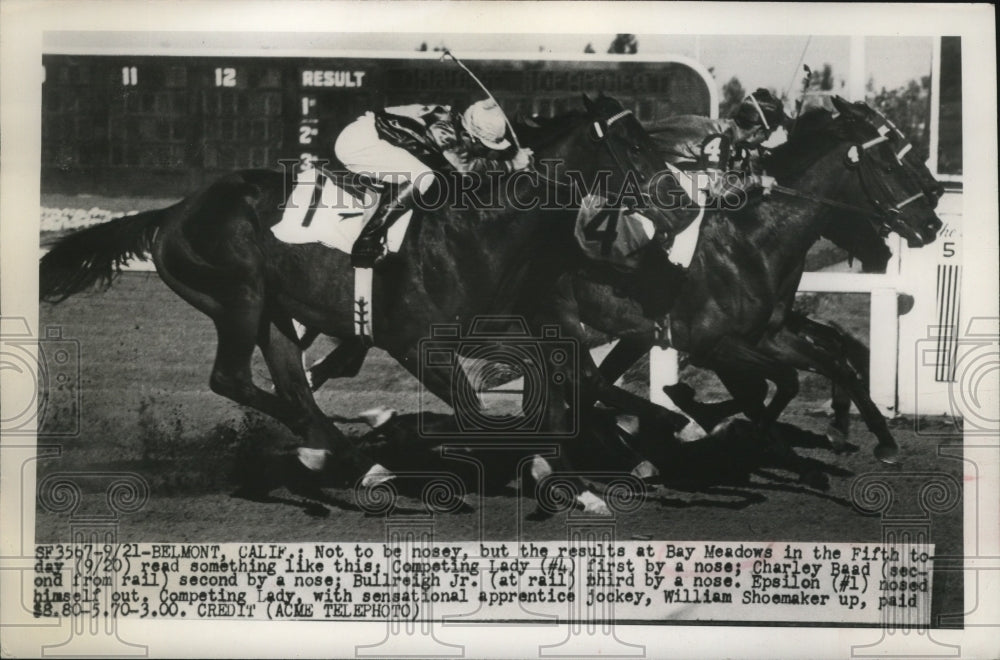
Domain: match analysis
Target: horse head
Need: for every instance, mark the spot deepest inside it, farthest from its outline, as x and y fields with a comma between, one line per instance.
x=912, y=158
x=860, y=240
x=869, y=179
x=604, y=151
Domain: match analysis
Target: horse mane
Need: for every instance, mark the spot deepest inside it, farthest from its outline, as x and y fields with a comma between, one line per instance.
x=812, y=134
x=539, y=132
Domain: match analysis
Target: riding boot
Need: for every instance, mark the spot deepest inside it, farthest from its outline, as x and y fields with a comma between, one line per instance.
x=368, y=246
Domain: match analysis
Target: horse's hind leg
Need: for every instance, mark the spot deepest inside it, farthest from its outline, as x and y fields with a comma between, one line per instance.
x=284, y=361
x=447, y=382
x=231, y=375
x=232, y=378
x=342, y=362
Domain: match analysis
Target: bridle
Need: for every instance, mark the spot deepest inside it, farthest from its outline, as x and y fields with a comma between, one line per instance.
x=886, y=215
x=890, y=128
x=600, y=128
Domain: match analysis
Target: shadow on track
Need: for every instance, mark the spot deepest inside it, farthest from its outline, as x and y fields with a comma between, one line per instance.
x=732, y=469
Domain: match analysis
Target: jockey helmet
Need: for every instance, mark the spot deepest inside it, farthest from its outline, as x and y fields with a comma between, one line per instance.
x=485, y=121
x=760, y=109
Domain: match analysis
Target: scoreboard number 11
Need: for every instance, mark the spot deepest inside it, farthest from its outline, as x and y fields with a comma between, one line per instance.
x=130, y=76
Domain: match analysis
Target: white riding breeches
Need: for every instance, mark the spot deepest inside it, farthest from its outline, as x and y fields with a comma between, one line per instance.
x=361, y=151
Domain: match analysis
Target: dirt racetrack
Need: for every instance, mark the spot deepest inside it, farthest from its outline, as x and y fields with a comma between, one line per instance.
x=219, y=473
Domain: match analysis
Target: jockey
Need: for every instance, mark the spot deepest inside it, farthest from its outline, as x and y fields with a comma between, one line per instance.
x=717, y=146
x=410, y=143
x=701, y=151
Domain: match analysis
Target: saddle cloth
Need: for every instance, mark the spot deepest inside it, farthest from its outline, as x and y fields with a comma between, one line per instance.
x=617, y=235
x=332, y=216
x=319, y=210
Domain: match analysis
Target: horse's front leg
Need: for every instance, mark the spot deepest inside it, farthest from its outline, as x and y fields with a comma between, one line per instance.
x=623, y=355
x=811, y=353
x=857, y=356
x=594, y=387
x=562, y=421
x=708, y=415
x=745, y=370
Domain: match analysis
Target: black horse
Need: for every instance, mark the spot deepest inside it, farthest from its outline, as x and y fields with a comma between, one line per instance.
x=761, y=311
x=873, y=256
x=215, y=250
x=734, y=312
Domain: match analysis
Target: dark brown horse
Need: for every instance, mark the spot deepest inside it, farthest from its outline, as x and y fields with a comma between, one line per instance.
x=215, y=250
x=733, y=314
x=736, y=302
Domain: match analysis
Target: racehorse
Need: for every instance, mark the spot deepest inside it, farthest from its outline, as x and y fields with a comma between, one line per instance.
x=734, y=313
x=873, y=255
x=215, y=250
x=765, y=310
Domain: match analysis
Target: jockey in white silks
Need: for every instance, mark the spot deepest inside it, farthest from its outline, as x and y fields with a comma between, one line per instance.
x=403, y=146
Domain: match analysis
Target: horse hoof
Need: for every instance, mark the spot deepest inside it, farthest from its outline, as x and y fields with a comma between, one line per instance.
x=313, y=459
x=645, y=470
x=691, y=432
x=592, y=504
x=888, y=455
x=376, y=417
x=837, y=440
x=376, y=475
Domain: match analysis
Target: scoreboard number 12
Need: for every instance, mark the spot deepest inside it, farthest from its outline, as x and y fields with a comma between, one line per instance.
x=225, y=77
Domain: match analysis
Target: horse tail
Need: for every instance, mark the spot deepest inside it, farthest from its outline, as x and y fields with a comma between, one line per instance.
x=95, y=255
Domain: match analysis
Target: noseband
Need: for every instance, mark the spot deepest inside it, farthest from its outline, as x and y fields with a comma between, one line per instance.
x=886, y=214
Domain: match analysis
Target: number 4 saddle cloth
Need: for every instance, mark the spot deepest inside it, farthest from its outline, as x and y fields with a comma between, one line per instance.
x=616, y=235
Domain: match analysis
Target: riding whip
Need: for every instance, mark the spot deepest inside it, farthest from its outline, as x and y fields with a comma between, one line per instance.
x=448, y=53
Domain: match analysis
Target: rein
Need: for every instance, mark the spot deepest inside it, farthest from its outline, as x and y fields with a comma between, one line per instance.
x=825, y=201
x=856, y=154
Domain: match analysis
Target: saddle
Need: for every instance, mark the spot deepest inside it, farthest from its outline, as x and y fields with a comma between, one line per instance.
x=331, y=208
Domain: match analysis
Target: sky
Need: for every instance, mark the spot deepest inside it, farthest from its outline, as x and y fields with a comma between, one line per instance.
x=757, y=60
